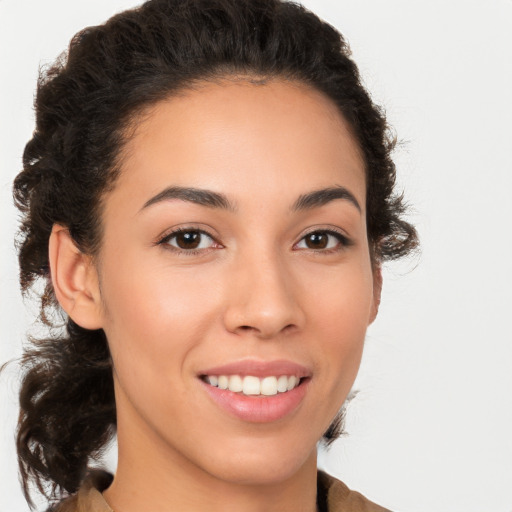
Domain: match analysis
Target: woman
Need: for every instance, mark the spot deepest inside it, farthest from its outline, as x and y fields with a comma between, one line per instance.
x=208, y=195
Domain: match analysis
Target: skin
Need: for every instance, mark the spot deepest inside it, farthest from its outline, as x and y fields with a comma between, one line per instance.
x=254, y=290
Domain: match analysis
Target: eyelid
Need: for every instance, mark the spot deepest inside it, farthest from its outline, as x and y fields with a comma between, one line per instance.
x=183, y=227
x=164, y=238
x=344, y=240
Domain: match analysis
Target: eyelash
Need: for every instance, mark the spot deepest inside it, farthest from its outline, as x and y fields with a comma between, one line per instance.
x=167, y=238
x=343, y=240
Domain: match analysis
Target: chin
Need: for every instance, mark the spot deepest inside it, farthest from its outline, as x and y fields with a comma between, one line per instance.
x=263, y=466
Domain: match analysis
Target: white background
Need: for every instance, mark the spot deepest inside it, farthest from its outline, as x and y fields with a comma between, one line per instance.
x=431, y=429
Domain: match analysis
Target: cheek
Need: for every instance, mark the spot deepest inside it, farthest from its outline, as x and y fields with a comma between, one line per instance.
x=340, y=313
x=340, y=298
x=154, y=316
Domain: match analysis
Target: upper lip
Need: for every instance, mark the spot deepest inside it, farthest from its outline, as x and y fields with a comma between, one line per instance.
x=259, y=368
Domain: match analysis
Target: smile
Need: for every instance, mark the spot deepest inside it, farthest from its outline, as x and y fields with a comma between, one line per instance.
x=257, y=391
x=251, y=385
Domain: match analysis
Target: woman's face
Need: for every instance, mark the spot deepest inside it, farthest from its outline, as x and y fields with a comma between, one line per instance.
x=235, y=250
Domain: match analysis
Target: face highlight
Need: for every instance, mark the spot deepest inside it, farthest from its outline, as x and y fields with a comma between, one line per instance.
x=236, y=280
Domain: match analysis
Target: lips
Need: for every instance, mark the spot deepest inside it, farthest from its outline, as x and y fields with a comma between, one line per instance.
x=256, y=391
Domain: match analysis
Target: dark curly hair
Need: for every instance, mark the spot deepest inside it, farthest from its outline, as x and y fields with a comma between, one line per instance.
x=86, y=105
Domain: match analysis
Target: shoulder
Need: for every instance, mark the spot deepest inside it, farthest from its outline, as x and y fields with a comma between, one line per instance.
x=335, y=496
x=89, y=497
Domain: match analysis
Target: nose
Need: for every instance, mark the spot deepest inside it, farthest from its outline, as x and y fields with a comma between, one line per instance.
x=263, y=299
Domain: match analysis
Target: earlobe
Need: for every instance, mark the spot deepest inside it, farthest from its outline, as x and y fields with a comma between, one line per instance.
x=377, y=291
x=74, y=280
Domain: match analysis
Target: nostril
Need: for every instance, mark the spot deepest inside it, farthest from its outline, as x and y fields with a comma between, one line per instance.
x=289, y=328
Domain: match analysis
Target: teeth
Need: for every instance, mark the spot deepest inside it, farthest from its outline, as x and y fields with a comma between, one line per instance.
x=235, y=383
x=292, y=382
x=223, y=382
x=250, y=385
x=282, y=384
x=213, y=380
x=269, y=386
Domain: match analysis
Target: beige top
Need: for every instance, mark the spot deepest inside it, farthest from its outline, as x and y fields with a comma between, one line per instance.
x=333, y=496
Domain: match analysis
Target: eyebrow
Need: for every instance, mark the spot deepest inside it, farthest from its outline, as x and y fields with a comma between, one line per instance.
x=212, y=199
x=192, y=195
x=323, y=196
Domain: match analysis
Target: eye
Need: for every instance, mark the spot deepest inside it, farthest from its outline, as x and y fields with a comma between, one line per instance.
x=189, y=240
x=323, y=240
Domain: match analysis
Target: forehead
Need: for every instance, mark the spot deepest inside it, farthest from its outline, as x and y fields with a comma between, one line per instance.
x=278, y=137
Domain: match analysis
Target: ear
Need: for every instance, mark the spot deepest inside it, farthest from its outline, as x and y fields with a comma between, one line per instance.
x=74, y=279
x=377, y=291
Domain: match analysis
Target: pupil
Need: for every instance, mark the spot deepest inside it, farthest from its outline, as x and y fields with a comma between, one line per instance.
x=317, y=241
x=188, y=240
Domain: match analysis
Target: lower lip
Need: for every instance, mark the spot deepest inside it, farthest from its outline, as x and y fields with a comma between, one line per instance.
x=258, y=409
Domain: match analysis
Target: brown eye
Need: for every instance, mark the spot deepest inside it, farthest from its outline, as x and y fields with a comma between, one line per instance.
x=189, y=240
x=320, y=240
x=316, y=240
